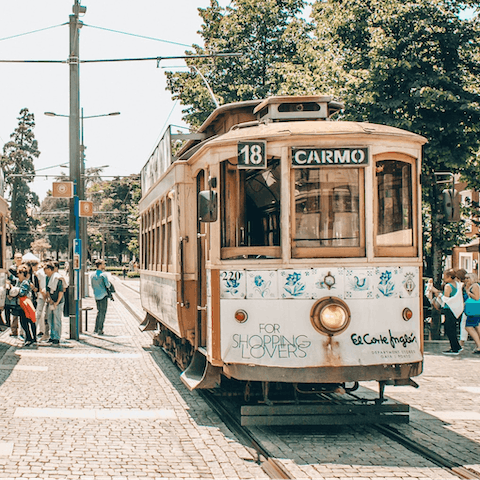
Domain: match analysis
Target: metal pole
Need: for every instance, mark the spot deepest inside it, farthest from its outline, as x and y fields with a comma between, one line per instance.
x=74, y=143
x=83, y=221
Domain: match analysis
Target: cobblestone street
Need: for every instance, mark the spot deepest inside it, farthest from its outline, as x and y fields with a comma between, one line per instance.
x=113, y=407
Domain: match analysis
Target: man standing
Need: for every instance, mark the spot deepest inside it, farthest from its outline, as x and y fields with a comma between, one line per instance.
x=42, y=326
x=100, y=283
x=55, y=302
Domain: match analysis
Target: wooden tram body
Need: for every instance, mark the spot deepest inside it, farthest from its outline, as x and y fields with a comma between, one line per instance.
x=282, y=247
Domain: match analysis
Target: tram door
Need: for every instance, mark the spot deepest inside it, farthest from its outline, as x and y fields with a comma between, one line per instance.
x=201, y=333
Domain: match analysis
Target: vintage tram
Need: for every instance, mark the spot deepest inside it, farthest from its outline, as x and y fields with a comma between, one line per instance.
x=281, y=247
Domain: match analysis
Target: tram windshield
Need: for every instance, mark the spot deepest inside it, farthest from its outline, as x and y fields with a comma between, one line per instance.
x=251, y=207
x=327, y=207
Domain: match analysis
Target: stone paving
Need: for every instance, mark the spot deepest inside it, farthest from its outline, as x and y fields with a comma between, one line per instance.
x=113, y=408
x=101, y=408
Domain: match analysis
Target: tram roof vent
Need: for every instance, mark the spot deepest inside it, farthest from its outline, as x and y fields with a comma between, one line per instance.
x=287, y=108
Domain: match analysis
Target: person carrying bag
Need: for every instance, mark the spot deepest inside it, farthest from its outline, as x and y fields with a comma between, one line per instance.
x=452, y=298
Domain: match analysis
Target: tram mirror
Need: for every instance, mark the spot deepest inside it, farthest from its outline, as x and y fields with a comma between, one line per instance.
x=207, y=206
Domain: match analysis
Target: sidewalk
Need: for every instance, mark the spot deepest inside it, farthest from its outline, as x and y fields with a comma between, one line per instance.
x=108, y=407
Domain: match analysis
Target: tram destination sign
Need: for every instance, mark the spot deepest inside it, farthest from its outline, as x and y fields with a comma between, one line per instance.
x=314, y=157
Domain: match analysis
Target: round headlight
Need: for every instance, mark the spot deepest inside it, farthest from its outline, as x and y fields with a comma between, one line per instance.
x=333, y=317
x=330, y=316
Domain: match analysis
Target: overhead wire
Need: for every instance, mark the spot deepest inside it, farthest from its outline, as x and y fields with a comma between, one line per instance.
x=33, y=31
x=139, y=36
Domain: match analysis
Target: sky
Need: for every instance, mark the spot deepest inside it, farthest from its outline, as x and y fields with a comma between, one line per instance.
x=135, y=89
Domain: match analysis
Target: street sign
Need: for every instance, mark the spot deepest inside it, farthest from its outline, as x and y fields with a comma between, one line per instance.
x=85, y=208
x=62, y=189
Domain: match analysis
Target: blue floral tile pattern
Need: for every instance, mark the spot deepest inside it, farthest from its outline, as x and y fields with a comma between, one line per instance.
x=386, y=284
x=293, y=283
x=232, y=284
x=359, y=282
x=262, y=284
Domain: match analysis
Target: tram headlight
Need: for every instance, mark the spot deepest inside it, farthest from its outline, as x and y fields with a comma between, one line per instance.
x=330, y=316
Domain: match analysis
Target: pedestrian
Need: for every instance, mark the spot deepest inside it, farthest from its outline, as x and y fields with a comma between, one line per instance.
x=28, y=325
x=100, y=285
x=11, y=304
x=460, y=276
x=124, y=271
x=55, y=300
x=453, y=299
x=473, y=321
x=40, y=312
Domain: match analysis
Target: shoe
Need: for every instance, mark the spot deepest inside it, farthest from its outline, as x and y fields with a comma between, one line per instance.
x=476, y=351
x=452, y=352
x=13, y=335
x=27, y=344
x=100, y=333
x=55, y=342
x=50, y=340
x=40, y=334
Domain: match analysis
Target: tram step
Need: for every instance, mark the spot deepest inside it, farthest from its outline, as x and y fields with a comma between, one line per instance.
x=330, y=414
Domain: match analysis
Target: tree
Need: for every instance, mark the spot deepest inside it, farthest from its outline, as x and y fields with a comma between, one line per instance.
x=40, y=247
x=266, y=33
x=17, y=164
x=54, y=214
x=114, y=229
x=410, y=65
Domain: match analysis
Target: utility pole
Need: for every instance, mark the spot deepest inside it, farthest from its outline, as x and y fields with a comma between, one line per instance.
x=75, y=177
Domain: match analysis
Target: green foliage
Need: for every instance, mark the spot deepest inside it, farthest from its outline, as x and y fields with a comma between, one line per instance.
x=266, y=33
x=17, y=164
x=111, y=233
x=409, y=65
x=54, y=217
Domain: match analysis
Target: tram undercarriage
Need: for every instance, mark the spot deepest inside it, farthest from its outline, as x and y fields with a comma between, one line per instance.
x=280, y=403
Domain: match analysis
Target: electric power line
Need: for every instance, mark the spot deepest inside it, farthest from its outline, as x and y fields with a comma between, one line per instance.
x=139, y=36
x=33, y=31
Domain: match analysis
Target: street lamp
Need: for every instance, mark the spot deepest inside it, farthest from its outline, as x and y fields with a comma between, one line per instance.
x=80, y=193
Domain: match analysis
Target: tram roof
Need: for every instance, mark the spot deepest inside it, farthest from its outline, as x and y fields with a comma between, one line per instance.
x=240, y=119
x=310, y=128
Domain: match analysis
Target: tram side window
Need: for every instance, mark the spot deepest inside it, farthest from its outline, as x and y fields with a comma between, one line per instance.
x=327, y=207
x=251, y=206
x=394, y=200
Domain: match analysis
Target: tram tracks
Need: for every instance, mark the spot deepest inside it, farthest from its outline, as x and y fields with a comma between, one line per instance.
x=275, y=469
x=419, y=449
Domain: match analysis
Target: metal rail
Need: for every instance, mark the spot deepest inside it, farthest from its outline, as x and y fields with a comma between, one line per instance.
x=270, y=465
x=415, y=447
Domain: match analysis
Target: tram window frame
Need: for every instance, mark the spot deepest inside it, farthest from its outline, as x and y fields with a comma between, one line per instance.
x=157, y=260
x=233, y=200
x=397, y=250
x=164, y=235
x=330, y=251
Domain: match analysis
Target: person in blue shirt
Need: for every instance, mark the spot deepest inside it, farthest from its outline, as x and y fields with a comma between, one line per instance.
x=100, y=283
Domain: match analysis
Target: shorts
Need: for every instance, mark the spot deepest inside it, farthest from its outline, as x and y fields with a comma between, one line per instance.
x=472, y=322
